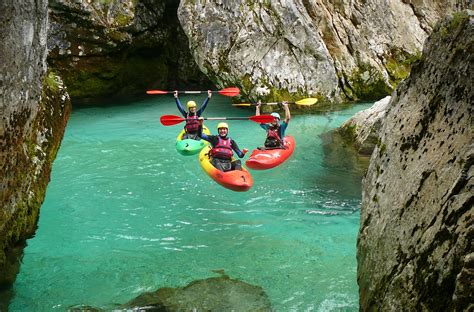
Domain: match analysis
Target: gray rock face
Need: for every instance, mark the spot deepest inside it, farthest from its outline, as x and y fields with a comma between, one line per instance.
x=362, y=130
x=360, y=49
x=120, y=48
x=34, y=108
x=415, y=247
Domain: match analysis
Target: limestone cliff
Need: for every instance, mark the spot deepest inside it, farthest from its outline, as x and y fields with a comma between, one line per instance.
x=120, y=48
x=34, y=108
x=415, y=249
x=330, y=49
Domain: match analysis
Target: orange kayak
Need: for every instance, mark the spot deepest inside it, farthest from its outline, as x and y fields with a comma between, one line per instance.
x=235, y=180
x=270, y=158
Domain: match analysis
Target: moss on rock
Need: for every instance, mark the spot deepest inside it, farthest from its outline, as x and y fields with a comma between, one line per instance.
x=368, y=83
x=36, y=143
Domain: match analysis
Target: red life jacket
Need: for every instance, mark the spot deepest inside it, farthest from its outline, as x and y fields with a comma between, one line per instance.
x=223, y=149
x=192, y=124
x=272, y=134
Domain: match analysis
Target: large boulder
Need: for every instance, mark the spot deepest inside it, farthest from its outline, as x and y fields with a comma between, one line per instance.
x=34, y=110
x=362, y=130
x=328, y=49
x=414, y=248
x=211, y=294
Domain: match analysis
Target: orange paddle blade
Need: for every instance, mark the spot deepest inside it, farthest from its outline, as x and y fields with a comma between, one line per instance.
x=156, y=92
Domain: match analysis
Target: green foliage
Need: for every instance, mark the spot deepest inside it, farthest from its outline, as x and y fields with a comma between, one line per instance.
x=52, y=81
x=348, y=132
x=399, y=64
x=368, y=83
x=458, y=18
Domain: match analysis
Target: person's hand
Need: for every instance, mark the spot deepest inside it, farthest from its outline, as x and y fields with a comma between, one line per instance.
x=201, y=120
x=209, y=93
x=245, y=150
x=259, y=103
x=284, y=103
x=175, y=94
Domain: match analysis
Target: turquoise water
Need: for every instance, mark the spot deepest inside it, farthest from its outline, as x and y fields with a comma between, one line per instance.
x=124, y=213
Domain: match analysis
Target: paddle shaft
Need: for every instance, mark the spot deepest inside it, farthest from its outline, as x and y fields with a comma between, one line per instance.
x=191, y=92
x=254, y=104
x=226, y=118
x=231, y=91
x=213, y=118
x=169, y=120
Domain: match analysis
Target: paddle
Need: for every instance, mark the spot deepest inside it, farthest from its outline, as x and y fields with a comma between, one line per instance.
x=170, y=120
x=232, y=91
x=307, y=102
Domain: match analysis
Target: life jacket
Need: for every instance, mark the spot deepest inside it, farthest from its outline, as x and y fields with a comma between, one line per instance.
x=222, y=149
x=273, y=138
x=192, y=124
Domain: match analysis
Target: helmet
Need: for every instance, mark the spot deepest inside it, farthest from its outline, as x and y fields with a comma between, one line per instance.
x=276, y=115
x=191, y=104
x=222, y=125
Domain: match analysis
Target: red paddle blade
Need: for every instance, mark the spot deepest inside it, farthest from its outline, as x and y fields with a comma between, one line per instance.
x=170, y=120
x=156, y=92
x=232, y=91
x=262, y=118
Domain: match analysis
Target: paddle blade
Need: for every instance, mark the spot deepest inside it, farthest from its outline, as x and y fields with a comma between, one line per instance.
x=243, y=104
x=156, y=92
x=170, y=120
x=308, y=101
x=232, y=91
x=262, y=118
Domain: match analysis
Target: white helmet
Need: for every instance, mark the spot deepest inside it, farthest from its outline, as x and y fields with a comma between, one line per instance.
x=276, y=115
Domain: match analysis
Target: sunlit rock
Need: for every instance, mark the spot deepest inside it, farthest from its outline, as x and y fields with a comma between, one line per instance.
x=325, y=49
x=416, y=228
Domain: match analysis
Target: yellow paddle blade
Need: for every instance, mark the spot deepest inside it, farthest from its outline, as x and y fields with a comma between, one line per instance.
x=242, y=104
x=308, y=101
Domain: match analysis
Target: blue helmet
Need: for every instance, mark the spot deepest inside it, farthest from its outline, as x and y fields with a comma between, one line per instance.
x=276, y=115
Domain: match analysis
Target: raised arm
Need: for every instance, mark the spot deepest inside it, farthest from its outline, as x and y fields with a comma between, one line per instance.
x=257, y=108
x=204, y=105
x=179, y=105
x=257, y=113
x=287, y=111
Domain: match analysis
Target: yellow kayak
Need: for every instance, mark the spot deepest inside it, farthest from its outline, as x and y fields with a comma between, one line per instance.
x=235, y=180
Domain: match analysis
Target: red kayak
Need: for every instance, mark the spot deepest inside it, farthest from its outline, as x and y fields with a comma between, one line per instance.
x=261, y=159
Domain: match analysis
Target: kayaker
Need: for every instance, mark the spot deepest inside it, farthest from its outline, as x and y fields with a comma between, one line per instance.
x=192, y=124
x=223, y=148
x=275, y=130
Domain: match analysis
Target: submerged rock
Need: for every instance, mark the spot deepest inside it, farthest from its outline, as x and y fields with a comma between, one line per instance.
x=414, y=249
x=211, y=294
